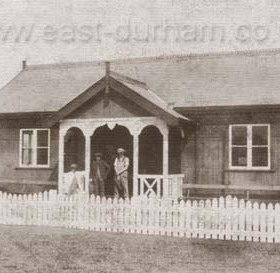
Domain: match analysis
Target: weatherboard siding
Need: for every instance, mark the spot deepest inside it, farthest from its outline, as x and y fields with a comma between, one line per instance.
x=10, y=172
x=205, y=160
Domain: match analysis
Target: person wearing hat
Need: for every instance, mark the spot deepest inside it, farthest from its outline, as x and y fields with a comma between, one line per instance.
x=74, y=180
x=121, y=165
x=99, y=172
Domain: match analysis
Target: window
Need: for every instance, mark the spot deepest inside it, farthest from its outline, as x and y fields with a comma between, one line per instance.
x=34, y=147
x=249, y=146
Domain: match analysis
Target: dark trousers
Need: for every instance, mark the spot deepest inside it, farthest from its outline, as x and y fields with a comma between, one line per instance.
x=98, y=186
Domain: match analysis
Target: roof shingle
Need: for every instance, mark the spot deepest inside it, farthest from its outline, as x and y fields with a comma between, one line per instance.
x=248, y=78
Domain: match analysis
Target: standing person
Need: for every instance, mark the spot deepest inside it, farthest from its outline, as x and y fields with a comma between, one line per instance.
x=99, y=173
x=74, y=180
x=121, y=174
x=110, y=156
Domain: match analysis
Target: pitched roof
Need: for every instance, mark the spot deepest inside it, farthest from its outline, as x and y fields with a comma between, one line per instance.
x=225, y=79
x=47, y=88
x=144, y=91
x=137, y=92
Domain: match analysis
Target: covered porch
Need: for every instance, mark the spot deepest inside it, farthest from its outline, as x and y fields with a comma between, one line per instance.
x=152, y=146
x=118, y=111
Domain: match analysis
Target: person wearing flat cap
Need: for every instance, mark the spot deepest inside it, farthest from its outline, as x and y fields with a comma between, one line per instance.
x=121, y=165
x=99, y=172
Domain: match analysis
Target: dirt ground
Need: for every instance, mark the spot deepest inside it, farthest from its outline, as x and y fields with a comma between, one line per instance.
x=53, y=250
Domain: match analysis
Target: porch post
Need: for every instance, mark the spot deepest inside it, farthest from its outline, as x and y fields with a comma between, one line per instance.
x=165, y=162
x=135, y=163
x=61, y=161
x=87, y=159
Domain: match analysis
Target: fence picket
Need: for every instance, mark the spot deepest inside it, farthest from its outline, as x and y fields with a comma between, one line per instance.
x=182, y=218
x=163, y=212
x=248, y=221
x=241, y=220
x=263, y=223
x=138, y=212
x=208, y=219
x=201, y=219
x=222, y=218
x=270, y=223
x=121, y=216
x=215, y=219
x=228, y=217
x=1, y=208
x=157, y=217
x=109, y=226
x=145, y=215
x=103, y=204
x=127, y=215
x=151, y=215
x=133, y=220
x=194, y=219
x=188, y=215
x=175, y=218
x=235, y=219
x=277, y=223
x=256, y=222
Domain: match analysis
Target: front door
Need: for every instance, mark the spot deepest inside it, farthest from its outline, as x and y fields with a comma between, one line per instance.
x=107, y=142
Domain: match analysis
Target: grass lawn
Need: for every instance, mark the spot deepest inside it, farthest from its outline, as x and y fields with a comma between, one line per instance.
x=51, y=250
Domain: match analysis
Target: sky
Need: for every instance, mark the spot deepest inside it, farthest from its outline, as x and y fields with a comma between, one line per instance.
x=54, y=31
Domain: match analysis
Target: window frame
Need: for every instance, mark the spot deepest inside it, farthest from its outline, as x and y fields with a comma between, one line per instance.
x=34, y=148
x=249, y=146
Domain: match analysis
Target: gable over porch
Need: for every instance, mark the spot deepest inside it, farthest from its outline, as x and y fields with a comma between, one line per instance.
x=117, y=103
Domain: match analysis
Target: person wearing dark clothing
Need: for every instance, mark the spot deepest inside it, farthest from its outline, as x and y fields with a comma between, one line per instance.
x=99, y=172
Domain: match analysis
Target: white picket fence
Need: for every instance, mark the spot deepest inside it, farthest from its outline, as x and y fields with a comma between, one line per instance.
x=224, y=218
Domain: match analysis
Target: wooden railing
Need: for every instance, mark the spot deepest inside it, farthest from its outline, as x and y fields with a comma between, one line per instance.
x=246, y=188
x=158, y=185
x=175, y=185
x=149, y=184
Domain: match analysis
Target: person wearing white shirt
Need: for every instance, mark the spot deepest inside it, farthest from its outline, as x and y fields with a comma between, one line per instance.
x=121, y=174
x=74, y=181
